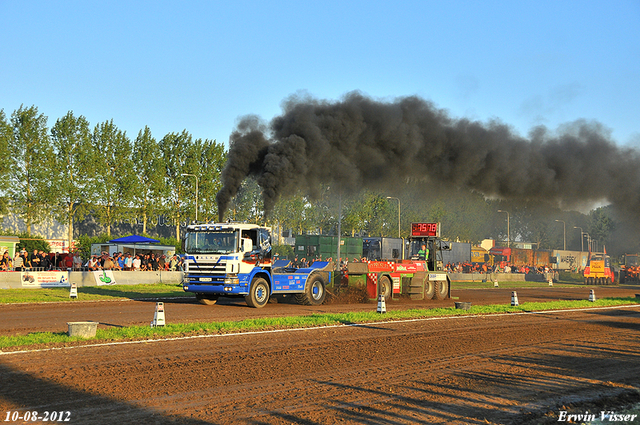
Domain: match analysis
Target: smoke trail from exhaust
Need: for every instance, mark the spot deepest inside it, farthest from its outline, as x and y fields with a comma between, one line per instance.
x=359, y=143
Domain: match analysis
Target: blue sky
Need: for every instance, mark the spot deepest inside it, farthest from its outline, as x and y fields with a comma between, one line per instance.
x=200, y=65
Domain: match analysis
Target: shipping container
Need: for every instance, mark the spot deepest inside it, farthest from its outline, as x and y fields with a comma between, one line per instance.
x=460, y=252
x=569, y=260
x=521, y=257
x=324, y=247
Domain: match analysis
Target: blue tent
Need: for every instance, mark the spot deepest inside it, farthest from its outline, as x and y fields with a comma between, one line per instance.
x=134, y=239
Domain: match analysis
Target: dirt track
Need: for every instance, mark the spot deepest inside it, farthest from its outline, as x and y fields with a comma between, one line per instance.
x=498, y=369
x=19, y=319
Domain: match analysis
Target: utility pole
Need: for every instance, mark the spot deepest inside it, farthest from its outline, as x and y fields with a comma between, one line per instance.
x=581, y=238
x=564, y=233
x=508, y=230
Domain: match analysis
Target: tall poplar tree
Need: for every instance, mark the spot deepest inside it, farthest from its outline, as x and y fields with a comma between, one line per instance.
x=113, y=182
x=74, y=158
x=149, y=173
x=212, y=157
x=5, y=138
x=179, y=157
x=30, y=167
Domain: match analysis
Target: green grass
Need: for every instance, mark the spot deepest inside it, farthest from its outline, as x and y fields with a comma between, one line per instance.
x=158, y=290
x=313, y=320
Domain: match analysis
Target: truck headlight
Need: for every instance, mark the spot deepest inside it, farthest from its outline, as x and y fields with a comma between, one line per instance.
x=232, y=281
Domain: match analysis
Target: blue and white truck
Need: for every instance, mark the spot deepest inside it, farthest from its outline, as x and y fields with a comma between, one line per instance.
x=234, y=260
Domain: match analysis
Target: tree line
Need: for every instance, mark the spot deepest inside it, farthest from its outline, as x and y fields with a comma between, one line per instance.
x=73, y=169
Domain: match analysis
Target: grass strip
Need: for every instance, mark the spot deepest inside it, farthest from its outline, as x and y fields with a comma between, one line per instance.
x=92, y=293
x=313, y=320
x=160, y=290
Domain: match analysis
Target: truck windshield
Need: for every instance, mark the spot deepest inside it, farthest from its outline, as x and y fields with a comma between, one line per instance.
x=210, y=242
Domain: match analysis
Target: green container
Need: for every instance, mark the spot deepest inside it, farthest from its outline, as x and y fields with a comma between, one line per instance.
x=302, y=240
x=355, y=242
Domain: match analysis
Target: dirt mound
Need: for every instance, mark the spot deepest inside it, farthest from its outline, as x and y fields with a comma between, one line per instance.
x=347, y=295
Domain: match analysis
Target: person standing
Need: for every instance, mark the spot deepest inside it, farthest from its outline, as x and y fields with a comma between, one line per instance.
x=173, y=263
x=34, y=260
x=45, y=262
x=5, y=262
x=77, y=261
x=18, y=262
x=108, y=264
x=136, y=264
x=67, y=263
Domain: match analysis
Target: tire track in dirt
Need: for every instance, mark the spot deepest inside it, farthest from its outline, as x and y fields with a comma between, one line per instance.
x=457, y=370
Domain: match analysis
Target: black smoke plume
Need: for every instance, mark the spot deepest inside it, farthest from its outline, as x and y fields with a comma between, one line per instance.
x=361, y=143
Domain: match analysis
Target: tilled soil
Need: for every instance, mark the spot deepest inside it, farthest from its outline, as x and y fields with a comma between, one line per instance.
x=512, y=368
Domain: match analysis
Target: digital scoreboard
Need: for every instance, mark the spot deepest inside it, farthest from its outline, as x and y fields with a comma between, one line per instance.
x=425, y=229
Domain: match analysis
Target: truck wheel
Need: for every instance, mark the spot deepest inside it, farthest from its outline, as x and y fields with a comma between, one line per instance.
x=429, y=289
x=314, y=292
x=258, y=295
x=607, y=281
x=206, y=299
x=442, y=290
x=386, y=289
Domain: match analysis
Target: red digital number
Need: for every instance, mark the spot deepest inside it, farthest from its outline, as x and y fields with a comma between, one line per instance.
x=424, y=229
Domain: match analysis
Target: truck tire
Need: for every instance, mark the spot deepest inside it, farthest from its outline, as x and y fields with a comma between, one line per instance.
x=385, y=287
x=429, y=289
x=441, y=290
x=258, y=295
x=206, y=299
x=314, y=291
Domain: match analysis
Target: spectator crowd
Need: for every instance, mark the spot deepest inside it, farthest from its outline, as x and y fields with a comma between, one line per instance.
x=38, y=260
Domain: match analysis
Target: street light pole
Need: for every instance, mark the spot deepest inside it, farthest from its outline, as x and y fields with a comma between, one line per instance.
x=391, y=197
x=588, y=241
x=193, y=175
x=508, y=228
x=581, y=238
x=564, y=233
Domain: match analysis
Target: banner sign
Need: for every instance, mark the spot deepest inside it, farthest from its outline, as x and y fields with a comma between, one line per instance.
x=50, y=279
x=104, y=277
